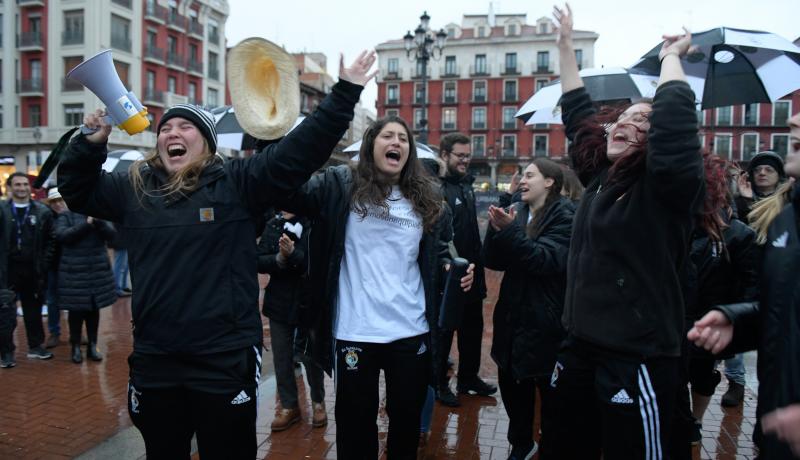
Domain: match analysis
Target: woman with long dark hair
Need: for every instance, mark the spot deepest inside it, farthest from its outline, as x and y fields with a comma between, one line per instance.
x=530, y=244
x=616, y=377
x=379, y=256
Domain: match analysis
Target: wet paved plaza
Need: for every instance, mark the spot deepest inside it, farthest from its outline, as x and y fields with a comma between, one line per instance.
x=57, y=410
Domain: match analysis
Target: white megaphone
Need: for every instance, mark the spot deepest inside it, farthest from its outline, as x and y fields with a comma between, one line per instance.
x=123, y=107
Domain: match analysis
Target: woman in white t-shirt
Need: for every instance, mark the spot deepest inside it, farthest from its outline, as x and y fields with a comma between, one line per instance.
x=378, y=251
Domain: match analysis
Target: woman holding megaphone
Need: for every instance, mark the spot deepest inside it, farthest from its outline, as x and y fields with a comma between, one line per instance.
x=191, y=226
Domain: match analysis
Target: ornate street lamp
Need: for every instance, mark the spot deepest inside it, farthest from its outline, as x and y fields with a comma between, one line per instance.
x=421, y=47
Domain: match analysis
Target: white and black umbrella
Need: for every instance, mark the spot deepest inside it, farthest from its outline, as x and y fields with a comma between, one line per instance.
x=230, y=134
x=737, y=66
x=423, y=151
x=121, y=160
x=604, y=85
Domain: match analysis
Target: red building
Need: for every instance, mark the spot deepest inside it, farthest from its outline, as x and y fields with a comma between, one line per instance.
x=490, y=65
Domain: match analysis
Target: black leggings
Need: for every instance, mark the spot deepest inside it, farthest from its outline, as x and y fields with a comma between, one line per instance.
x=76, y=320
x=406, y=364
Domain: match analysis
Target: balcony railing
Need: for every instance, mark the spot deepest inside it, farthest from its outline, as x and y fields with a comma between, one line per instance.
x=481, y=70
x=509, y=97
x=154, y=52
x=509, y=125
x=511, y=71
x=195, y=28
x=30, y=85
x=195, y=66
x=213, y=73
x=479, y=98
x=449, y=100
x=449, y=71
x=175, y=20
x=478, y=125
x=125, y=3
x=396, y=74
x=121, y=42
x=68, y=84
x=176, y=60
x=542, y=69
x=153, y=96
x=72, y=37
x=213, y=37
x=29, y=40
x=448, y=126
x=393, y=101
x=155, y=12
x=30, y=2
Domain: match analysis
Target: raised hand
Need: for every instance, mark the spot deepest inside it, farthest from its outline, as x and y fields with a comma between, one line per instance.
x=499, y=219
x=514, y=185
x=564, y=19
x=679, y=45
x=95, y=121
x=358, y=72
x=285, y=246
x=744, y=185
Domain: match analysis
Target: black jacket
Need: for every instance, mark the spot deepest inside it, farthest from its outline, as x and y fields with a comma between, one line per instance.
x=527, y=316
x=326, y=200
x=85, y=279
x=725, y=273
x=287, y=292
x=773, y=324
x=44, y=244
x=193, y=258
x=458, y=193
x=630, y=241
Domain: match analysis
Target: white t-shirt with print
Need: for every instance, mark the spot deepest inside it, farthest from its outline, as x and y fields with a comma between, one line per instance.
x=381, y=296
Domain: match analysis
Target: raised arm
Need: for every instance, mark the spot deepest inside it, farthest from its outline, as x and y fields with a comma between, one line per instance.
x=673, y=48
x=568, y=66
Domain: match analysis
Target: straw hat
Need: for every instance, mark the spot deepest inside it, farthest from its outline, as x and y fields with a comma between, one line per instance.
x=265, y=88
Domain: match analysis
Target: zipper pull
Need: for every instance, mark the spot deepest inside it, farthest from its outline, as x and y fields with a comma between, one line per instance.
x=599, y=189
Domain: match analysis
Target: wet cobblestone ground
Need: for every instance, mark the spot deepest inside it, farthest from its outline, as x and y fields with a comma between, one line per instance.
x=57, y=410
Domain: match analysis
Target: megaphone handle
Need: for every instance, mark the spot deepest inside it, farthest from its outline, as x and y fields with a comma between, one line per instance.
x=85, y=130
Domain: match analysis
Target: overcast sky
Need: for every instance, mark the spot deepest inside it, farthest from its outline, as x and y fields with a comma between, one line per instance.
x=627, y=28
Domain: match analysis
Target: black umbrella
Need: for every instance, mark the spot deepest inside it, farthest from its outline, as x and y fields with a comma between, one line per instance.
x=738, y=66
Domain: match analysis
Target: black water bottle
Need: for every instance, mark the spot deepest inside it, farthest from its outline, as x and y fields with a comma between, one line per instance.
x=453, y=298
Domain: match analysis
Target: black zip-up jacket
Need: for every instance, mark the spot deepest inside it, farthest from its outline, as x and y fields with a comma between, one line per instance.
x=326, y=200
x=85, y=279
x=630, y=241
x=193, y=258
x=287, y=291
x=44, y=243
x=773, y=324
x=458, y=193
x=527, y=316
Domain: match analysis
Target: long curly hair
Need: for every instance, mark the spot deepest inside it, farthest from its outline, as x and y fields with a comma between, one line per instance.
x=370, y=189
x=591, y=152
x=718, y=198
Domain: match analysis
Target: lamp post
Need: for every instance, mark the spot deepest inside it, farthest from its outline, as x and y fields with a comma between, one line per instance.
x=420, y=48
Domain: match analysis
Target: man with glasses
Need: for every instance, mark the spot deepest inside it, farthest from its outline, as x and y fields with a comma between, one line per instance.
x=455, y=150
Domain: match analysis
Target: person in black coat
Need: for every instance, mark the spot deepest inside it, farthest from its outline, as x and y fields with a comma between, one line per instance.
x=616, y=377
x=85, y=279
x=772, y=325
x=283, y=254
x=378, y=239
x=530, y=244
x=190, y=223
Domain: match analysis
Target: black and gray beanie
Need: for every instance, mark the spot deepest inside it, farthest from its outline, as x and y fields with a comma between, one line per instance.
x=199, y=117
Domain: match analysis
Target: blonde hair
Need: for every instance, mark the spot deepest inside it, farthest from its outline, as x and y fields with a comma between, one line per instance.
x=767, y=209
x=182, y=182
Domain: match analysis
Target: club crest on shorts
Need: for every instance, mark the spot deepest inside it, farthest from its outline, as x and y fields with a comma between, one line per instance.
x=351, y=357
x=206, y=214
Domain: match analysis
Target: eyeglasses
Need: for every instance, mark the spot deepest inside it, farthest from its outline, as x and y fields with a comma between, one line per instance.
x=462, y=156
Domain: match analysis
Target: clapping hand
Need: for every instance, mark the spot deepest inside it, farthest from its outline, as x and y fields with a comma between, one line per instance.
x=564, y=19
x=358, y=72
x=499, y=219
x=285, y=246
x=744, y=185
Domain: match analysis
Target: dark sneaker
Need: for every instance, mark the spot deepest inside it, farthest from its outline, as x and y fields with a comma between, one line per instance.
x=697, y=433
x=39, y=353
x=734, y=396
x=52, y=341
x=446, y=397
x=523, y=453
x=476, y=386
x=7, y=360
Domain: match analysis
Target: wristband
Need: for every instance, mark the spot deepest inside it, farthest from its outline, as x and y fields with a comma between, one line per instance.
x=664, y=56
